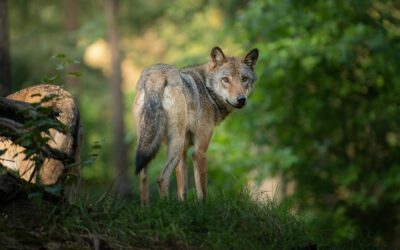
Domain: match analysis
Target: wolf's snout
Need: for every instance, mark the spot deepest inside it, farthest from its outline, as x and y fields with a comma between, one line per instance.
x=241, y=100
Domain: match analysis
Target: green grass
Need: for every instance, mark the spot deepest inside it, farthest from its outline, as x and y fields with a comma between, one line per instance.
x=231, y=221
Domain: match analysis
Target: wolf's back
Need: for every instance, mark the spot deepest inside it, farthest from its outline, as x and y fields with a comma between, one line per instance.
x=152, y=118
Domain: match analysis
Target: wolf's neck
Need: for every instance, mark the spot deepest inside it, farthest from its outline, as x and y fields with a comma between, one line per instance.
x=217, y=106
x=221, y=111
x=220, y=108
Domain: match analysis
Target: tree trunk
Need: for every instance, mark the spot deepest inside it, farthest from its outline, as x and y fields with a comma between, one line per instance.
x=5, y=63
x=120, y=150
x=71, y=25
x=70, y=16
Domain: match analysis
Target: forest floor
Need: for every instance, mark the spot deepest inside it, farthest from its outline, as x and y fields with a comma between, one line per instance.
x=233, y=221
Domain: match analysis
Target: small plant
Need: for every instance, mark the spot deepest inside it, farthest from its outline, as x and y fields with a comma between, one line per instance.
x=35, y=133
x=63, y=62
x=32, y=130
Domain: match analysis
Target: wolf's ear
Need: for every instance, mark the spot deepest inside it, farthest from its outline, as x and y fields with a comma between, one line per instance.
x=251, y=58
x=217, y=56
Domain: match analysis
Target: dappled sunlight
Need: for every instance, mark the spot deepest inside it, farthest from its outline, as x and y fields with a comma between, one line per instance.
x=269, y=188
x=215, y=18
x=97, y=55
x=130, y=75
x=150, y=43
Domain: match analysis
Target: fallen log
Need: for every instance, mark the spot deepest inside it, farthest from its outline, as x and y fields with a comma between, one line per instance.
x=11, y=130
x=12, y=109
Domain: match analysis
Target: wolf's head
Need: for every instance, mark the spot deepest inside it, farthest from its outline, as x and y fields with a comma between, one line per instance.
x=231, y=78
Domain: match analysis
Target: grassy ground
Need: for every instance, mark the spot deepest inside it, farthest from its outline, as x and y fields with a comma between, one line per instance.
x=231, y=221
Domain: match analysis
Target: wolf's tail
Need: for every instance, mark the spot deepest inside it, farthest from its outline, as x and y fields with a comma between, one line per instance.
x=152, y=124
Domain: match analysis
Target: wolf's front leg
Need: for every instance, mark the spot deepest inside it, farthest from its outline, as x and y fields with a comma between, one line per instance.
x=200, y=165
x=200, y=174
x=182, y=178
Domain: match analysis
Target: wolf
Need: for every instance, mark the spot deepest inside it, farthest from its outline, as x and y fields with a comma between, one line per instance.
x=70, y=143
x=181, y=107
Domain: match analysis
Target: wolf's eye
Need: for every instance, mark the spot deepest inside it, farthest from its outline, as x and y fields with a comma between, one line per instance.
x=225, y=79
x=245, y=79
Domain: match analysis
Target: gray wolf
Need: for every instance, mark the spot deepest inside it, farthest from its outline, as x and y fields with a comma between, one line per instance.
x=52, y=170
x=181, y=107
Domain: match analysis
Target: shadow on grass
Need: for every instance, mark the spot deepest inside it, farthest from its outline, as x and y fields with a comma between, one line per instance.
x=224, y=221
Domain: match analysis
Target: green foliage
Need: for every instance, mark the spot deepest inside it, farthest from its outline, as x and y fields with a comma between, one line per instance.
x=324, y=114
x=35, y=133
x=328, y=97
x=63, y=62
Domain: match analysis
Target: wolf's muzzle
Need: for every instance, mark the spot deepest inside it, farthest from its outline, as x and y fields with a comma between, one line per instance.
x=241, y=100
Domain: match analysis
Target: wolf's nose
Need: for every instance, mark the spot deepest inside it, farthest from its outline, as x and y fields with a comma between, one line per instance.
x=241, y=100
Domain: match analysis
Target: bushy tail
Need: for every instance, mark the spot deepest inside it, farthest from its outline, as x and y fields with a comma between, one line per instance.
x=152, y=126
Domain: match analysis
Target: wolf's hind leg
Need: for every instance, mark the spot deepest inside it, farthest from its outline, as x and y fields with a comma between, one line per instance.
x=174, y=104
x=144, y=188
x=174, y=156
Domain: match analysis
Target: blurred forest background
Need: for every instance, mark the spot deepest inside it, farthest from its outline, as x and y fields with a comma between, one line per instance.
x=323, y=124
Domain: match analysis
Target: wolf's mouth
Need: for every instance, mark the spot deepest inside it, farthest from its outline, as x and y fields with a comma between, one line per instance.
x=238, y=106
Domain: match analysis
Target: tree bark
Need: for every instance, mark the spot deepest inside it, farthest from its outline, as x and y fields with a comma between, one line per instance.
x=5, y=62
x=70, y=16
x=71, y=25
x=120, y=149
